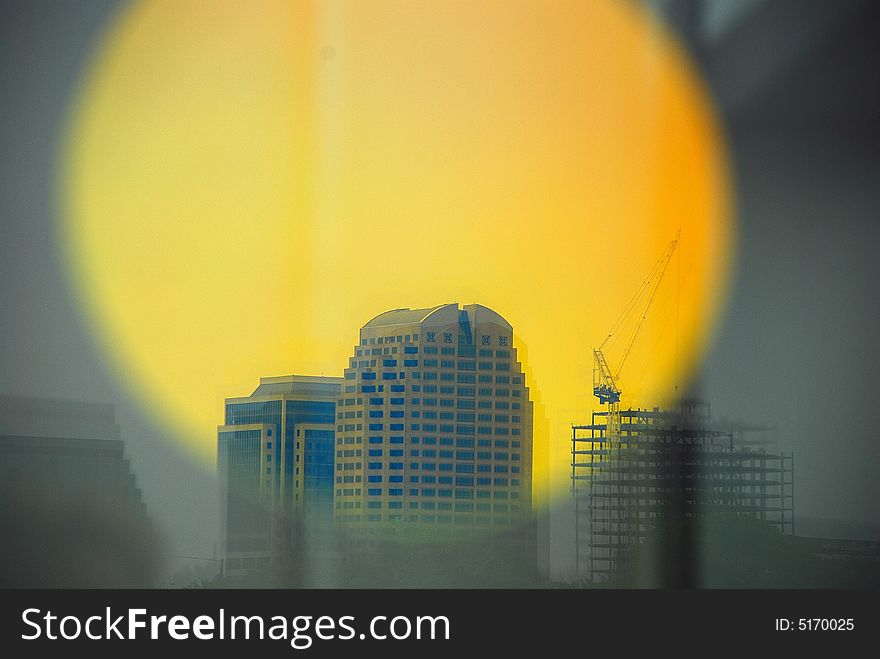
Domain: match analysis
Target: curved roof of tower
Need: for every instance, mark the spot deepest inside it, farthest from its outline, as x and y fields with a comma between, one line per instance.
x=441, y=312
x=404, y=316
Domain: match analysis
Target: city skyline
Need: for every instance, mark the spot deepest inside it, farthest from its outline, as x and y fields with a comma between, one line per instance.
x=430, y=425
x=794, y=319
x=509, y=347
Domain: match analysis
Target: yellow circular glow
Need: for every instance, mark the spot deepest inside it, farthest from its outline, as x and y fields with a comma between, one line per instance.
x=246, y=184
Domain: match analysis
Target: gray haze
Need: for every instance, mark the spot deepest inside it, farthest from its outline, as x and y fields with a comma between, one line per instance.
x=45, y=347
x=797, y=347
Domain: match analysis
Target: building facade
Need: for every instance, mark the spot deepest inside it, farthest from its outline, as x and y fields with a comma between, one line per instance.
x=275, y=462
x=66, y=450
x=666, y=469
x=434, y=423
x=71, y=509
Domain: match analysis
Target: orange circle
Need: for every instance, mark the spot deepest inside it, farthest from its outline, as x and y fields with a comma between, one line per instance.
x=246, y=185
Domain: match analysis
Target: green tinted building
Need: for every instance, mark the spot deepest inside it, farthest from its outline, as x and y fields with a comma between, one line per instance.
x=276, y=466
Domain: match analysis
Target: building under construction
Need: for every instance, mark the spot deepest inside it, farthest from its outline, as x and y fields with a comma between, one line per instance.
x=665, y=468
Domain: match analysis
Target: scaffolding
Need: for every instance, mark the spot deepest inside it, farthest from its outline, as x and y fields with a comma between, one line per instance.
x=662, y=466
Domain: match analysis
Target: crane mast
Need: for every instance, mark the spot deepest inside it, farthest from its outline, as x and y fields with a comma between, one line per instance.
x=605, y=379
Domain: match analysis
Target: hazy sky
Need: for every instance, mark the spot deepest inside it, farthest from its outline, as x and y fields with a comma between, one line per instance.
x=797, y=346
x=45, y=348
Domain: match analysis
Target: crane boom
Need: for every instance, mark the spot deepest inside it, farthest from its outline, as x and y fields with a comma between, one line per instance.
x=605, y=380
x=662, y=264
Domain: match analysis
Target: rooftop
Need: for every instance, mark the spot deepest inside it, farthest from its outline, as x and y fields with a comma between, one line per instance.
x=443, y=313
x=303, y=385
x=404, y=316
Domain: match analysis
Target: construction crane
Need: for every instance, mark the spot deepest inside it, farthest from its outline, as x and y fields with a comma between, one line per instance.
x=606, y=380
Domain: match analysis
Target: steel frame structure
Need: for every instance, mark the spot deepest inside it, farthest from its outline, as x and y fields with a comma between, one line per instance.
x=662, y=465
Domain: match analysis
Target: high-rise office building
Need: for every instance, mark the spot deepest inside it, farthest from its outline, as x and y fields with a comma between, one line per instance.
x=434, y=424
x=66, y=450
x=275, y=461
x=70, y=507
